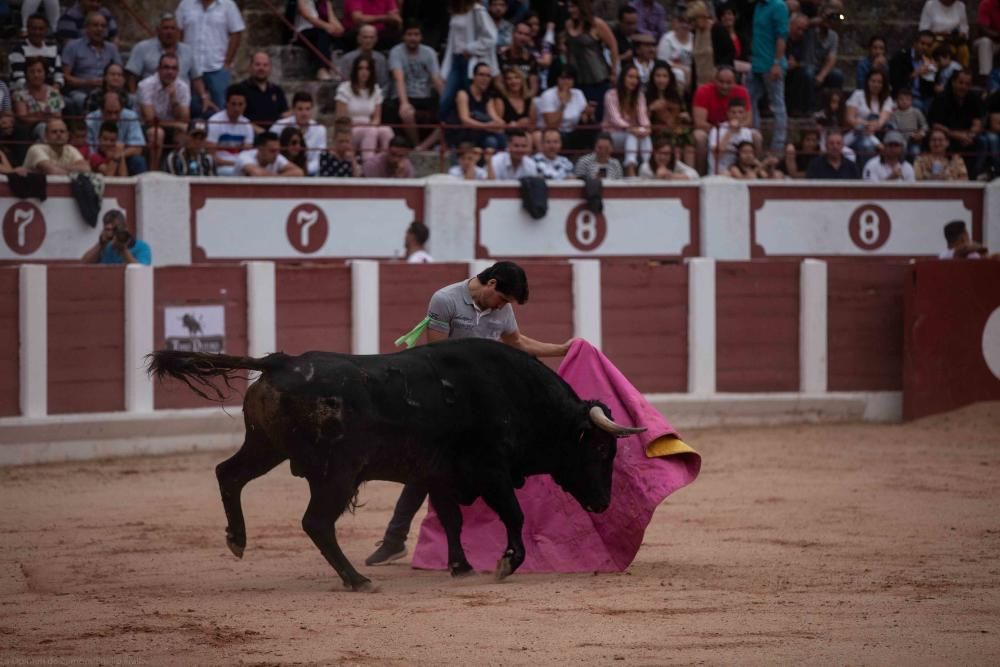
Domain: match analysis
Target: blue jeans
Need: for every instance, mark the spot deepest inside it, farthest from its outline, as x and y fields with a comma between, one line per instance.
x=988, y=155
x=457, y=79
x=136, y=164
x=761, y=84
x=215, y=84
x=410, y=500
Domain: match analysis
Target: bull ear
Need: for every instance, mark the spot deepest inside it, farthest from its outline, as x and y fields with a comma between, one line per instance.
x=602, y=422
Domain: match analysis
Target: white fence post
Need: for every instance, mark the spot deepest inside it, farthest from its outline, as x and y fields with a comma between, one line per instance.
x=138, y=337
x=262, y=329
x=725, y=218
x=812, y=327
x=587, y=300
x=33, y=316
x=364, y=307
x=701, y=326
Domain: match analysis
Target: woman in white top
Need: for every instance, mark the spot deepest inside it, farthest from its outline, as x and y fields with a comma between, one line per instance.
x=472, y=39
x=677, y=48
x=664, y=165
x=868, y=111
x=360, y=99
x=316, y=22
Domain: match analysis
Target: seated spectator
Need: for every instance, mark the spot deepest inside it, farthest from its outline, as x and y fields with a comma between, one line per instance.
x=959, y=113
x=11, y=151
x=913, y=68
x=341, y=161
x=37, y=101
x=520, y=54
x=84, y=62
x=832, y=165
x=724, y=140
x=512, y=104
x=230, y=132
x=890, y=165
x=668, y=112
x=600, y=163
x=113, y=80
x=471, y=38
x=393, y=163
x=876, y=59
x=821, y=58
x=514, y=163
x=360, y=99
x=726, y=45
x=266, y=102
x=652, y=17
x=382, y=15
x=165, y=102
x=109, y=158
x=625, y=30
x=645, y=57
x=116, y=245
x=55, y=156
x=144, y=62
x=798, y=156
x=314, y=133
x=868, y=111
x=627, y=120
x=191, y=157
x=414, y=243
x=710, y=108
x=73, y=22
x=79, y=133
x=563, y=107
x=473, y=111
x=936, y=164
x=265, y=160
x=130, y=133
x=505, y=29
x=35, y=46
x=418, y=87
x=366, y=46
x=960, y=246
x=909, y=121
x=677, y=48
x=468, y=167
x=316, y=21
x=214, y=30
x=988, y=153
x=665, y=166
x=293, y=148
x=747, y=167
x=945, y=66
x=552, y=166
x=988, y=44
x=948, y=20
x=703, y=59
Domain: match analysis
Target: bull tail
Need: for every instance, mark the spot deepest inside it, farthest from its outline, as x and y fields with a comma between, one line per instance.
x=198, y=370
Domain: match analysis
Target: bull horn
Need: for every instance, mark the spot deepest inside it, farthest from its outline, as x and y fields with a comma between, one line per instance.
x=602, y=422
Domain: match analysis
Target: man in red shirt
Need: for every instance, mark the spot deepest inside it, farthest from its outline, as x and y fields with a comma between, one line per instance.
x=383, y=14
x=710, y=108
x=988, y=43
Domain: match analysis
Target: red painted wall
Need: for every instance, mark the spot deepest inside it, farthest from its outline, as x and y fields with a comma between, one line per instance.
x=548, y=314
x=200, y=285
x=644, y=323
x=865, y=325
x=757, y=326
x=86, y=330
x=10, y=341
x=404, y=292
x=313, y=309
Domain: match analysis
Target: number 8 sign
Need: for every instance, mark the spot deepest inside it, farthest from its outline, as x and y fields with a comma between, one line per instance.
x=869, y=227
x=585, y=229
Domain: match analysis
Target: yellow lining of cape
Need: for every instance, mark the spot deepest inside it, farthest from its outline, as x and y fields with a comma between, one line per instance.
x=668, y=445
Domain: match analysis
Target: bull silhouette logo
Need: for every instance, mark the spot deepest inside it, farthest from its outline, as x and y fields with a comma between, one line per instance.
x=307, y=228
x=23, y=228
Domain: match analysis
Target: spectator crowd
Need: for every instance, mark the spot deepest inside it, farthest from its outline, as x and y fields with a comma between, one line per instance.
x=509, y=88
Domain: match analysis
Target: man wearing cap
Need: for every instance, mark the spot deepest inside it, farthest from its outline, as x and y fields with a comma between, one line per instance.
x=644, y=55
x=890, y=165
x=191, y=157
x=144, y=61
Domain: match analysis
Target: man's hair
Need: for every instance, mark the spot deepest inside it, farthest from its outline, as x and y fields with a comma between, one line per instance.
x=925, y=33
x=419, y=231
x=569, y=71
x=265, y=137
x=234, y=90
x=904, y=90
x=834, y=130
x=109, y=126
x=466, y=147
x=603, y=135
x=113, y=215
x=737, y=102
x=626, y=9
x=302, y=96
x=953, y=231
x=516, y=132
x=719, y=69
x=511, y=280
x=38, y=17
x=546, y=131
x=170, y=56
x=875, y=38
x=942, y=50
x=399, y=141
x=412, y=24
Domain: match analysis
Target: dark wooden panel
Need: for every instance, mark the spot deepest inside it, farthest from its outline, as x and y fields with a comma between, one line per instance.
x=10, y=343
x=86, y=336
x=644, y=311
x=201, y=285
x=313, y=308
x=757, y=326
x=404, y=292
x=865, y=325
x=548, y=314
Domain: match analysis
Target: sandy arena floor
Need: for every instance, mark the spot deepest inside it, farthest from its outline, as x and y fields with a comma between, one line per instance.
x=846, y=545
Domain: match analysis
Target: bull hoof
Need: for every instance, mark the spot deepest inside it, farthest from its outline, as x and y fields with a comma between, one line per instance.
x=504, y=568
x=460, y=569
x=365, y=586
x=235, y=544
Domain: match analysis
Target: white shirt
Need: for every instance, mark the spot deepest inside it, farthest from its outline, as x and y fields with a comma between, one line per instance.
x=152, y=92
x=249, y=157
x=878, y=171
x=504, y=171
x=456, y=171
x=726, y=154
x=360, y=107
x=938, y=18
x=231, y=138
x=208, y=30
x=315, y=136
x=548, y=102
x=645, y=171
x=860, y=101
x=420, y=257
x=672, y=49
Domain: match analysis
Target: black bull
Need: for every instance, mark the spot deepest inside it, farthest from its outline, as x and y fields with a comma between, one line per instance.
x=466, y=419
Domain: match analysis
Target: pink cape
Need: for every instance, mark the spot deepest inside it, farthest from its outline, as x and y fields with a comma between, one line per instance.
x=559, y=535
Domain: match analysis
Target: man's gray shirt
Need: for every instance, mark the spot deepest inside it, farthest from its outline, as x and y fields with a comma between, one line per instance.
x=452, y=311
x=418, y=69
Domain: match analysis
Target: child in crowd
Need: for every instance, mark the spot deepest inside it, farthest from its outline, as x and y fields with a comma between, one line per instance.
x=909, y=121
x=946, y=67
x=468, y=167
x=341, y=162
x=109, y=158
x=505, y=29
x=724, y=139
x=191, y=158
